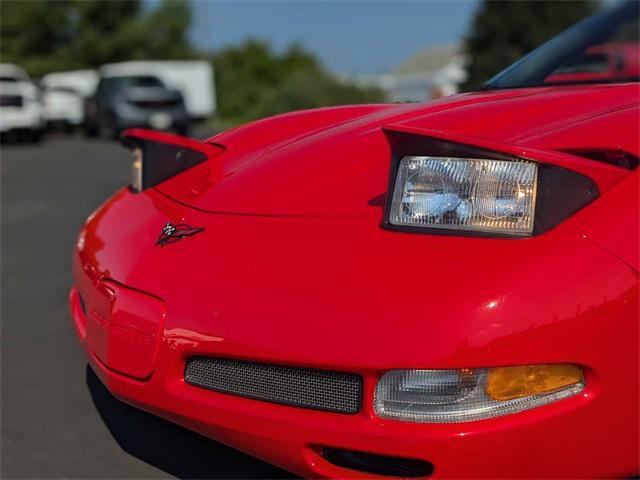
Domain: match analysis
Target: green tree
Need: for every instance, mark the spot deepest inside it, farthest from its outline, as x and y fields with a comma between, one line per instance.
x=252, y=82
x=30, y=32
x=48, y=35
x=504, y=31
x=164, y=32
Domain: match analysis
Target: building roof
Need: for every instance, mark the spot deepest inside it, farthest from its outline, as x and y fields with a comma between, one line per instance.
x=429, y=59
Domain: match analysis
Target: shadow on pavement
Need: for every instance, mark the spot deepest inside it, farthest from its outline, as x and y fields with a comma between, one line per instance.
x=169, y=447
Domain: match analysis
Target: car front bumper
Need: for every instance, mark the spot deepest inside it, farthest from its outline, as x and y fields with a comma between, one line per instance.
x=27, y=117
x=568, y=319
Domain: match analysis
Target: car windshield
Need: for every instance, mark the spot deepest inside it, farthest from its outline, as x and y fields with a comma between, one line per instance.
x=115, y=84
x=603, y=48
x=62, y=89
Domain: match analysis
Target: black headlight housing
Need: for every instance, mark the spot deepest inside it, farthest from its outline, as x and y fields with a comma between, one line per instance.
x=560, y=192
x=158, y=156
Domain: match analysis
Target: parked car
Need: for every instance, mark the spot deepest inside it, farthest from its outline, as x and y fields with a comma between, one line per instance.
x=63, y=107
x=20, y=109
x=192, y=78
x=83, y=82
x=122, y=102
x=601, y=63
x=64, y=96
x=446, y=289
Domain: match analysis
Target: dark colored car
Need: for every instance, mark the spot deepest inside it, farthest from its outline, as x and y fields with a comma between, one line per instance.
x=122, y=102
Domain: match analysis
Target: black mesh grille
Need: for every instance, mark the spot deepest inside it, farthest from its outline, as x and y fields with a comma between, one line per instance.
x=10, y=101
x=300, y=387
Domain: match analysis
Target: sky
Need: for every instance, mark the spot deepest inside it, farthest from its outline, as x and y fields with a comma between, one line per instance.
x=349, y=36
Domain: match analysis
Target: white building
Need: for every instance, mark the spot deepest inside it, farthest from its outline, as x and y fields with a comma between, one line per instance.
x=431, y=73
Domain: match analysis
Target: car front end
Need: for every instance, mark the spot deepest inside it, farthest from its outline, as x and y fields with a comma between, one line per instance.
x=62, y=107
x=326, y=293
x=147, y=107
x=440, y=290
x=20, y=110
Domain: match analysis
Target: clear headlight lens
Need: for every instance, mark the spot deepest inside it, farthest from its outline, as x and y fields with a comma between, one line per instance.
x=450, y=396
x=493, y=196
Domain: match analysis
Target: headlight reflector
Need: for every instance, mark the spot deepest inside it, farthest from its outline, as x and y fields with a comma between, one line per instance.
x=450, y=396
x=493, y=196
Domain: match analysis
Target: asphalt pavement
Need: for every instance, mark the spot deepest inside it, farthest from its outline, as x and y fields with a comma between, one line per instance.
x=58, y=421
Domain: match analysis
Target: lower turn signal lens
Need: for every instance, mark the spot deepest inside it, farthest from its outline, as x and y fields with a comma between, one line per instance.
x=468, y=394
x=507, y=383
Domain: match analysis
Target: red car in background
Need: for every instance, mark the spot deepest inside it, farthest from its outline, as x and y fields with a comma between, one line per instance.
x=606, y=62
x=444, y=290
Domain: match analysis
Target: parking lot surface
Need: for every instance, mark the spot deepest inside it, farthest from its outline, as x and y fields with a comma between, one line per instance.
x=57, y=418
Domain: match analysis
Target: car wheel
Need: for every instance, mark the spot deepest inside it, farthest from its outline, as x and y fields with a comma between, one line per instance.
x=109, y=128
x=27, y=136
x=35, y=136
x=90, y=131
x=113, y=132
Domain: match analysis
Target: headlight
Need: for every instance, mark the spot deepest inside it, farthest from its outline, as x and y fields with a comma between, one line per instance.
x=158, y=156
x=449, y=396
x=136, y=170
x=491, y=196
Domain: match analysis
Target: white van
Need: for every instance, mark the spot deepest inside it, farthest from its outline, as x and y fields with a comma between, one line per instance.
x=64, y=94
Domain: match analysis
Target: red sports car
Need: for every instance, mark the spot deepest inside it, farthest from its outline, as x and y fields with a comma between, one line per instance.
x=446, y=289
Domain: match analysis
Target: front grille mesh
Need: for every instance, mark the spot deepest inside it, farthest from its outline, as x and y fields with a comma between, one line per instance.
x=300, y=387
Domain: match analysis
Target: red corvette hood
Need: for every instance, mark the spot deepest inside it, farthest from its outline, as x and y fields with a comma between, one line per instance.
x=335, y=162
x=535, y=114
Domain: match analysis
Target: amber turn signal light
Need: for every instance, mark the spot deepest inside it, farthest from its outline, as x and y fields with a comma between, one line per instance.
x=507, y=383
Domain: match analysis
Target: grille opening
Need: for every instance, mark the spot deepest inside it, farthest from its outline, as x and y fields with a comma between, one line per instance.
x=378, y=464
x=83, y=305
x=11, y=101
x=299, y=387
x=153, y=104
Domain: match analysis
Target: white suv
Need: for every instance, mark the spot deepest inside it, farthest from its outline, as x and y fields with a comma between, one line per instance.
x=20, y=108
